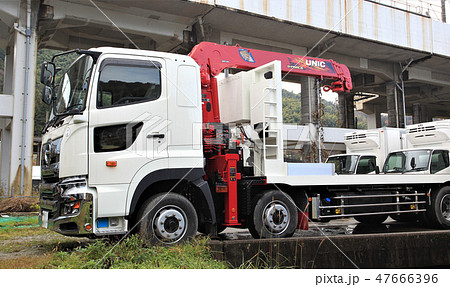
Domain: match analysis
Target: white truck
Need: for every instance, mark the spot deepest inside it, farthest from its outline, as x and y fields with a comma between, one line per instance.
x=427, y=152
x=136, y=144
x=366, y=150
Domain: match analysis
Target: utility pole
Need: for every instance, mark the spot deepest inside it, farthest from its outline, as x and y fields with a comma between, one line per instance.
x=444, y=16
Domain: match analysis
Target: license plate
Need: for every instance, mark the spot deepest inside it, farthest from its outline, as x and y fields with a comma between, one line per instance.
x=44, y=219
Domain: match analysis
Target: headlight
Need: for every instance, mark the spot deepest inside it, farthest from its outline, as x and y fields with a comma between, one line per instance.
x=71, y=205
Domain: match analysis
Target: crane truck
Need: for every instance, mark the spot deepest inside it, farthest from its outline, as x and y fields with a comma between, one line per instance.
x=366, y=150
x=136, y=144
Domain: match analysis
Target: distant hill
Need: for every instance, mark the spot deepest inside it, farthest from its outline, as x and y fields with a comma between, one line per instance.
x=292, y=111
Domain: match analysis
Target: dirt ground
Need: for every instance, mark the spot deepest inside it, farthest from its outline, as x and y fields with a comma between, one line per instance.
x=23, y=243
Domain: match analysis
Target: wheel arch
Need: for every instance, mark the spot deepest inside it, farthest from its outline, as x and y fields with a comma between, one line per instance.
x=165, y=180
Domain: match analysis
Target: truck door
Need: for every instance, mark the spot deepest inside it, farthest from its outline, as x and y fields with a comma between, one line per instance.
x=128, y=118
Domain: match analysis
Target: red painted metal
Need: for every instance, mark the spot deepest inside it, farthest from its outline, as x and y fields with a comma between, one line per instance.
x=226, y=168
x=303, y=220
x=214, y=58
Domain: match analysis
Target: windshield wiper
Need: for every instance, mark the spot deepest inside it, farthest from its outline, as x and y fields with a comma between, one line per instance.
x=50, y=123
x=395, y=170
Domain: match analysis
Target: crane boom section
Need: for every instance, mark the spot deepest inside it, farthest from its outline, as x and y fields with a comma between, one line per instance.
x=214, y=58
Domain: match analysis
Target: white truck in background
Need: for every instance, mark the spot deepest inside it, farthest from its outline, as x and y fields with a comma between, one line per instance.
x=366, y=150
x=427, y=151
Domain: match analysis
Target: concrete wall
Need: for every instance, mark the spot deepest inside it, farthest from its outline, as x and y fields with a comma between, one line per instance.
x=356, y=18
x=395, y=250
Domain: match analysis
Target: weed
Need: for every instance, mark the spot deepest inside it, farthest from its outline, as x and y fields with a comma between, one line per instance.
x=132, y=253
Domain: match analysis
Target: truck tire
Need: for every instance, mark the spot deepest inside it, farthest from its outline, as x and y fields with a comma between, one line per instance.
x=439, y=213
x=274, y=216
x=371, y=219
x=168, y=219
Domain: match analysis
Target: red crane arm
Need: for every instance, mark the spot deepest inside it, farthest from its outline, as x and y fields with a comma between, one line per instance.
x=214, y=58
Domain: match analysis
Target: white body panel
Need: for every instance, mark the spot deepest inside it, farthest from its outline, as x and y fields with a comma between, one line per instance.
x=378, y=142
x=266, y=111
x=359, y=179
x=431, y=134
x=234, y=98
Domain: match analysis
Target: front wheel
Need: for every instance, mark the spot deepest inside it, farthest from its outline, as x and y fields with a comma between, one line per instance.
x=167, y=218
x=274, y=216
x=440, y=208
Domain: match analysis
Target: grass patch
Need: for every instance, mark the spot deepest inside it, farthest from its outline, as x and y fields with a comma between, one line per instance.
x=132, y=253
x=15, y=227
x=25, y=262
x=26, y=245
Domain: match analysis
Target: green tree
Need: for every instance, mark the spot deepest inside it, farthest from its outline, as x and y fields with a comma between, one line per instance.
x=291, y=107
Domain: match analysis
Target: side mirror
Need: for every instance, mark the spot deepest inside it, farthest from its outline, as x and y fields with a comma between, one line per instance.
x=47, y=95
x=377, y=169
x=48, y=73
x=413, y=163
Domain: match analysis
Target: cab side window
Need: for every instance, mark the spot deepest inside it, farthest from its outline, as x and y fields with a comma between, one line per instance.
x=124, y=83
x=367, y=164
x=439, y=161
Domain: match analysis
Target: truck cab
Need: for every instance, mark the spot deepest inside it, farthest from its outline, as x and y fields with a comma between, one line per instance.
x=354, y=164
x=427, y=153
x=109, y=135
x=418, y=161
x=366, y=150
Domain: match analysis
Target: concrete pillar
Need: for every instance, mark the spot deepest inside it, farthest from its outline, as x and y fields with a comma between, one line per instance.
x=6, y=156
x=374, y=120
x=309, y=101
x=346, y=111
x=350, y=111
x=309, y=117
x=394, y=99
x=20, y=82
x=420, y=114
x=391, y=105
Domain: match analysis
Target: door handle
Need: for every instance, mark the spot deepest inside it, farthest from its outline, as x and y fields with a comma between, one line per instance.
x=159, y=136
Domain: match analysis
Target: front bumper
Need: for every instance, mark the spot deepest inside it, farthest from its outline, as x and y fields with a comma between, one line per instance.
x=54, y=202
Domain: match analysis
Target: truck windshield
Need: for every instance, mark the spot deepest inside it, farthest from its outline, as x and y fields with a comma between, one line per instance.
x=72, y=89
x=344, y=164
x=407, y=161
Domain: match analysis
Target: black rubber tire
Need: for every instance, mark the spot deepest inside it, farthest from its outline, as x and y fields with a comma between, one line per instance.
x=405, y=217
x=371, y=219
x=439, y=212
x=174, y=206
x=285, y=210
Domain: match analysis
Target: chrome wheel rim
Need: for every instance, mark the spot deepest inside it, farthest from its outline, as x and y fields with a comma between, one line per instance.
x=276, y=217
x=170, y=224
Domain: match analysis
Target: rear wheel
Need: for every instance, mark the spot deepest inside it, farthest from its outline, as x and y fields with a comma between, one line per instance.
x=167, y=218
x=274, y=216
x=439, y=212
x=371, y=219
